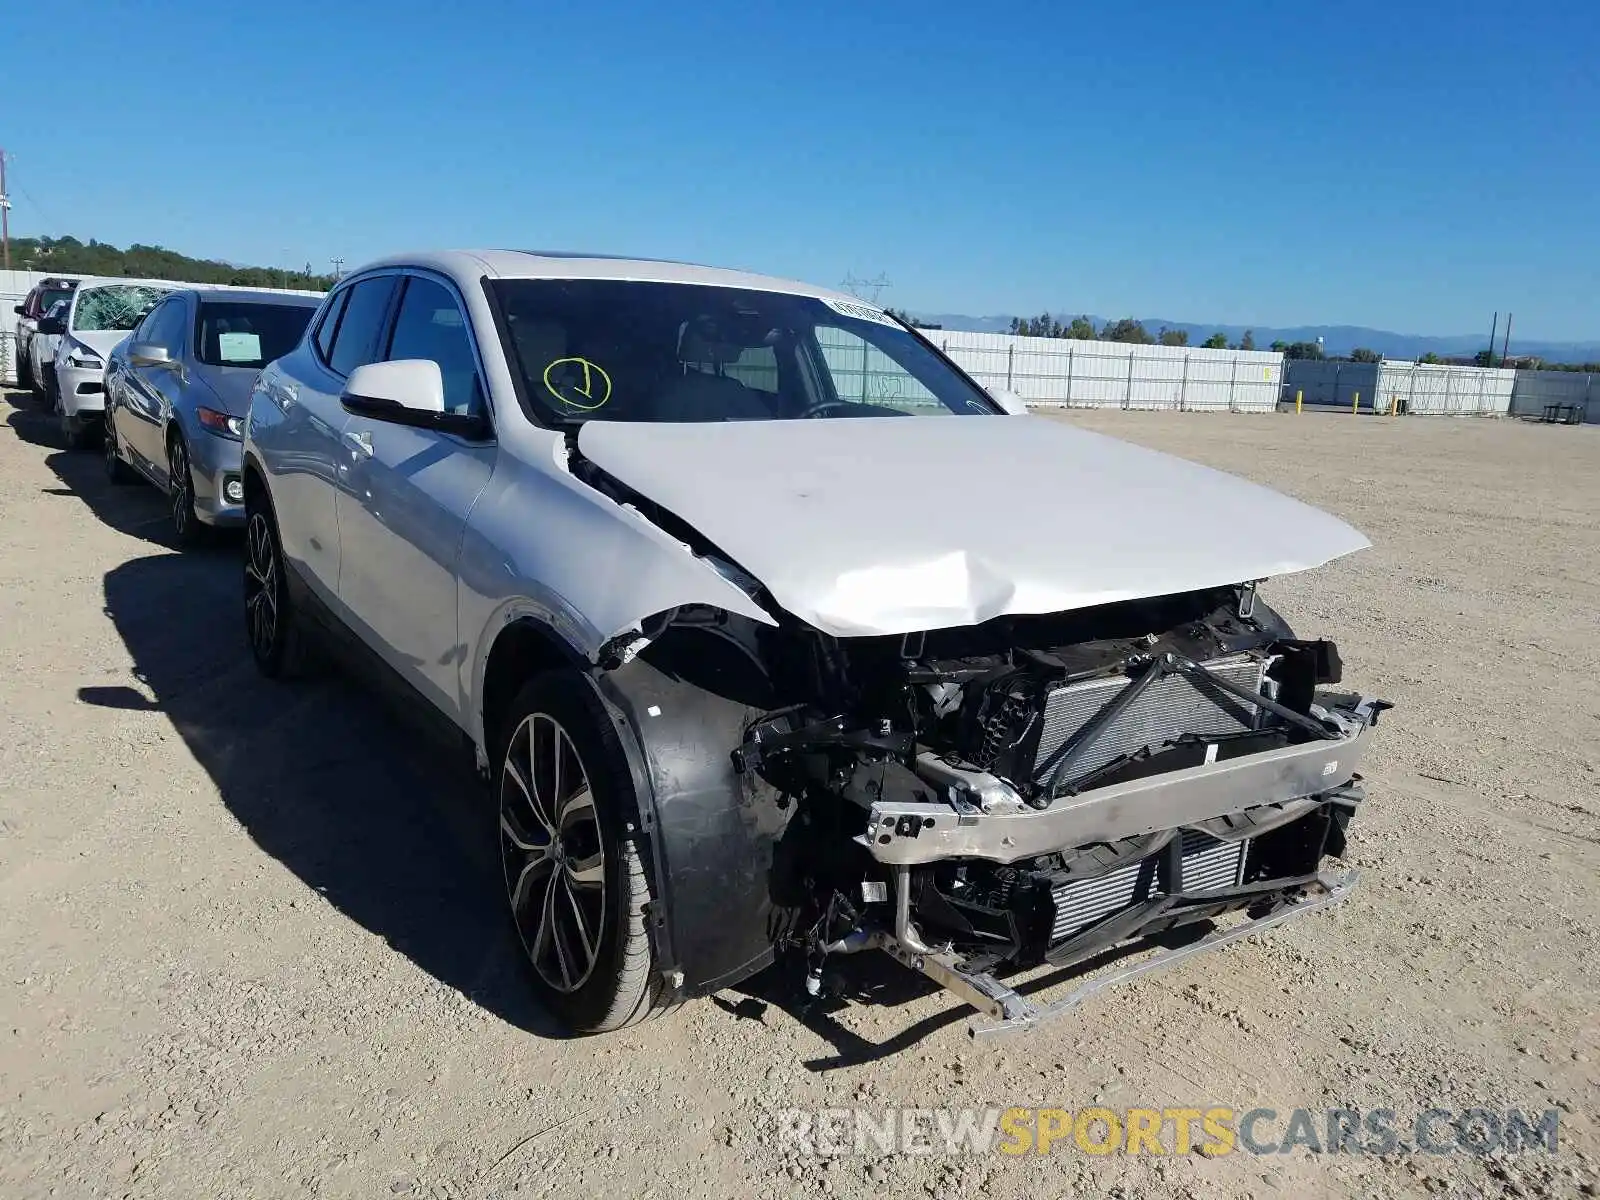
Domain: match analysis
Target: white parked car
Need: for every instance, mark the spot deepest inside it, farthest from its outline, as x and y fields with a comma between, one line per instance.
x=99, y=314
x=36, y=350
x=780, y=639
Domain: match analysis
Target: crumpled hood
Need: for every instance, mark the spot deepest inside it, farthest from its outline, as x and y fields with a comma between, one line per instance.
x=889, y=526
x=230, y=385
x=101, y=341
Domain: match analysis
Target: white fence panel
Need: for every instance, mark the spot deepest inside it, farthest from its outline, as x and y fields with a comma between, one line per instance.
x=1085, y=374
x=1428, y=389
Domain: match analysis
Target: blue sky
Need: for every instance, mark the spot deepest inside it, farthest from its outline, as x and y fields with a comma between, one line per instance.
x=1403, y=165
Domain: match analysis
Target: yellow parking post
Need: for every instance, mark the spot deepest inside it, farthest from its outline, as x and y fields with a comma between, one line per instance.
x=1297, y=397
x=1355, y=407
x=1394, y=402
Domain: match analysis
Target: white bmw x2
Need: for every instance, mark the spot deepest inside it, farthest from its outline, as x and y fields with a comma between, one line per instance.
x=781, y=639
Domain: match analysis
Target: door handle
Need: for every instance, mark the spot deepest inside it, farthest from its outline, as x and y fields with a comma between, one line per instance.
x=360, y=443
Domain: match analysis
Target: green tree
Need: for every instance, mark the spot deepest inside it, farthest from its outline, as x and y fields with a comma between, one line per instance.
x=1127, y=330
x=1483, y=358
x=69, y=256
x=1303, y=350
x=1173, y=337
x=1248, y=341
x=1215, y=342
x=1362, y=354
x=1081, y=328
x=1280, y=346
x=1430, y=358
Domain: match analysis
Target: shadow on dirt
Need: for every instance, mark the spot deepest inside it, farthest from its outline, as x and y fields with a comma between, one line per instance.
x=137, y=510
x=875, y=979
x=395, y=835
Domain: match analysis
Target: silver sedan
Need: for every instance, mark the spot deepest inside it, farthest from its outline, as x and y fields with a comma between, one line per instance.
x=176, y=393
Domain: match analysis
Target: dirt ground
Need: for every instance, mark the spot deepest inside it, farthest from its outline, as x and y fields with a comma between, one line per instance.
x=251, y=939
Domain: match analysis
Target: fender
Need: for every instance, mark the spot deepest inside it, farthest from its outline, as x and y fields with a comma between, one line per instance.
x=712, y=832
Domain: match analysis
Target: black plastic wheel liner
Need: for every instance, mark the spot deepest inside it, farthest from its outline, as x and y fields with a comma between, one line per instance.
x=711, y=831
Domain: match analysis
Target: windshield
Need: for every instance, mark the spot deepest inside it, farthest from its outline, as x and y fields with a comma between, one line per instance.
x=117, y=307
x=614, y=350
x=246, y=334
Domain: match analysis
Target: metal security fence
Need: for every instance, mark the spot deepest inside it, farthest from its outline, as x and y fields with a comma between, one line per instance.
x=1083, y=374
x=1429, y=389
x=1534, y=391
x=1400, y=387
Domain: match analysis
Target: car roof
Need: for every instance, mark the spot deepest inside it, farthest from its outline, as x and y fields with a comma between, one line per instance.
x=467, y=265
x=244, y=295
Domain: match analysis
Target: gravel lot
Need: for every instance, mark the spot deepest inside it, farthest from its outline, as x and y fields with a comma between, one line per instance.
x=251, y=940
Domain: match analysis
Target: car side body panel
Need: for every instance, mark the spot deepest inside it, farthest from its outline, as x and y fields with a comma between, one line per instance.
x=542, y=545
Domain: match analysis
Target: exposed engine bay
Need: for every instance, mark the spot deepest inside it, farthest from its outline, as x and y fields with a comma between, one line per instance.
x=1037, y=789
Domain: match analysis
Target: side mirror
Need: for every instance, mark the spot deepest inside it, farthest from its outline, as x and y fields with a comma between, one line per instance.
x=20, y=309
x=51, y=325
x=147, y=354
x=396, y=391
x=1009, y=401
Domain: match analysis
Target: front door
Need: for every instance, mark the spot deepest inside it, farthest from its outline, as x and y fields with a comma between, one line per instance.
x=148, y=393
x=405, y=509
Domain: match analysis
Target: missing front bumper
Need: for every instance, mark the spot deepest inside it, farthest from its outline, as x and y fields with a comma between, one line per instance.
x=1009, y=1011
x=911, y=833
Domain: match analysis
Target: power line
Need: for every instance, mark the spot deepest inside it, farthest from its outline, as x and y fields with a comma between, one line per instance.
x=858, y=287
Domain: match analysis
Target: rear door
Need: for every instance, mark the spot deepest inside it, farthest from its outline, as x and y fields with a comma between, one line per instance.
x=301, y=445
x=403, y=515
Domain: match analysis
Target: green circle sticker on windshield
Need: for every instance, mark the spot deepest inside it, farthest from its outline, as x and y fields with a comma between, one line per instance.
x=578, y=383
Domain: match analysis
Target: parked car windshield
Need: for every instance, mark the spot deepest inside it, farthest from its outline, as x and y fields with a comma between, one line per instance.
x=615, y=350
x=50, y=295
x=233, y=333
x=117, y=306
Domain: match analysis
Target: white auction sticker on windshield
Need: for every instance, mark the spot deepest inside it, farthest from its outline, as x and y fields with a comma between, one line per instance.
x=861, y=312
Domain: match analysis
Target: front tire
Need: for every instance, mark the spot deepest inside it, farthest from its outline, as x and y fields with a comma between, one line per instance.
x=186, y=526
x=574, y=877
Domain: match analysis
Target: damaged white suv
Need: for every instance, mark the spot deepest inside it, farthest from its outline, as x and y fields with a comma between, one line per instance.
x=780, y=639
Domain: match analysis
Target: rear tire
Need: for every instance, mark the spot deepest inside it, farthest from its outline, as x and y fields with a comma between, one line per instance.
x=25, y=372
x=271, y=624
x=117, y=471
x=575, y=879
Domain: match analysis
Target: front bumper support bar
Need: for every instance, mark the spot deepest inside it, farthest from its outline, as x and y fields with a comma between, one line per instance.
x=1008, y=1011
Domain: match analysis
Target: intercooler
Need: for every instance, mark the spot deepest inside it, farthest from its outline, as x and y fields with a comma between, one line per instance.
x=1170, y=707
x=1208, y=866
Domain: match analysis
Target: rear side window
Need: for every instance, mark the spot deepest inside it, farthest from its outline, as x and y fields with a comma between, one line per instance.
x=330, y=323
x=248, y=334
x=431, y=325
x=355, y=341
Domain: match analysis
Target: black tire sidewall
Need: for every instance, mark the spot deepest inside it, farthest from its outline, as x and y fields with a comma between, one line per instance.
x=192, y=531
x=275, y=663
x=571, y=699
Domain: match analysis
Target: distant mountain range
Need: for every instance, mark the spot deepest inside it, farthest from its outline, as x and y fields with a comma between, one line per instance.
x=1336, y=339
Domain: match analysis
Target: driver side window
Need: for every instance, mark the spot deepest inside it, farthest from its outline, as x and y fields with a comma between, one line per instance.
x=163, y=326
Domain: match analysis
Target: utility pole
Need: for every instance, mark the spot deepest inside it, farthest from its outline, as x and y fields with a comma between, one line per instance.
x=1494, y=328
x=5, y=212
x=1505, y=349
x=338, y=268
